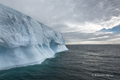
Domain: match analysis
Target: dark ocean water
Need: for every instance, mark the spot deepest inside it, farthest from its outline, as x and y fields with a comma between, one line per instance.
x=81, y=62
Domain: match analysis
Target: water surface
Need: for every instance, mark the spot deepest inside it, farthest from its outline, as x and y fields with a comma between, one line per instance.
x=81, y=62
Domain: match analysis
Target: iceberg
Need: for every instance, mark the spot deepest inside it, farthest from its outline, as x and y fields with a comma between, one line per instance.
x=25, y=41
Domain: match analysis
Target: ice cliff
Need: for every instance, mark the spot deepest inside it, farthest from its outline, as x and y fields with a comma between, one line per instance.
x=24, y=41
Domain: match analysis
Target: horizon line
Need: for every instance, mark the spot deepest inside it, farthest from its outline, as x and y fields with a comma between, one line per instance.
x=92, y=44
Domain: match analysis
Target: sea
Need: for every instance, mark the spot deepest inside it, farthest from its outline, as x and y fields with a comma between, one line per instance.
x=80, y=62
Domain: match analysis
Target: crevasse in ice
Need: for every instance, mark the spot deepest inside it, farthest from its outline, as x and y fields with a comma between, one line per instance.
x=24, y=41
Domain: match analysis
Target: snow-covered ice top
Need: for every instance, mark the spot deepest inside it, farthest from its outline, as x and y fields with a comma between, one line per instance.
x=17, y=29
x=22, y=37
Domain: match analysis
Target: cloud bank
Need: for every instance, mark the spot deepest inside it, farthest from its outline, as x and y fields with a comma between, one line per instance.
x=80, y=21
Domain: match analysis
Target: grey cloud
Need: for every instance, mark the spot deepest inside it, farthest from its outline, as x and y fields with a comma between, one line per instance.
x=55, y=13
x=79, y=37
x=97, y=9
x=50, y=11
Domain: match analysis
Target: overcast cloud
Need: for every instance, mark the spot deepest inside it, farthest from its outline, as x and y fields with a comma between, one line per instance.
x=80, y=21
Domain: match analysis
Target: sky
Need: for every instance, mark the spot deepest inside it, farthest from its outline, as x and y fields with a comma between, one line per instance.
x=80, y=21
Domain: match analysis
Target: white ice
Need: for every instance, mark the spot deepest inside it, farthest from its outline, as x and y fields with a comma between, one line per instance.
x=24, y=41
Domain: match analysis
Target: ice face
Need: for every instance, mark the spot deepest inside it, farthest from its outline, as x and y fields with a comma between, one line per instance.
x=24, y=41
